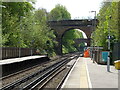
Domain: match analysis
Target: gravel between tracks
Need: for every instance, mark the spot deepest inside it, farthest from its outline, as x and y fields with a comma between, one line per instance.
x=55, y=81
x=28, y=72
x=23, y=74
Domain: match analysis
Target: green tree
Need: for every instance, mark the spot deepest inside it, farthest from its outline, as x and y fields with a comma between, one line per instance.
x=68, y=41
x=12, y=21
x=59, y=13
x=22, y=26
x=43, y=33
x=108, y=9
x=17, y=8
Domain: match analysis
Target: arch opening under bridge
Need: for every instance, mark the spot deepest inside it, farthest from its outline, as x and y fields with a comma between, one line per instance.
x=69, y=43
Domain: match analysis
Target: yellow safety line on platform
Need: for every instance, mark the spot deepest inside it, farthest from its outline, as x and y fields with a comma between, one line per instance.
x=83, y=76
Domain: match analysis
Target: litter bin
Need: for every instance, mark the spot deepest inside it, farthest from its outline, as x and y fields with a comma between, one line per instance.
x=117, y=64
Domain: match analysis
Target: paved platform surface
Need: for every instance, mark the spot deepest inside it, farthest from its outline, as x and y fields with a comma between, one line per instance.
x=86, y=74
x=13, y=60
x=99, y=76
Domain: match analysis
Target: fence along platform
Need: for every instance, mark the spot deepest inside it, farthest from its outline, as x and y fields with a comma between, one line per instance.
x=14, y=60
x=15, y=52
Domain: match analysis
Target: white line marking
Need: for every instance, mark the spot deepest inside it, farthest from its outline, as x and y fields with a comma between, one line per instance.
x=69, y=74
x=89, y=82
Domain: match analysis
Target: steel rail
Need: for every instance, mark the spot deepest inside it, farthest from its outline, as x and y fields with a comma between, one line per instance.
x=10, y=75
x=47, y=76
x=48, y=80
x=39, y=80
x=24, y=79
x=63, y=79
x=4, y=77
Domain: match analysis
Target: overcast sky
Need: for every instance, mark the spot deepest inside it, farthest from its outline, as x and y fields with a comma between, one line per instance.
x=77, y=8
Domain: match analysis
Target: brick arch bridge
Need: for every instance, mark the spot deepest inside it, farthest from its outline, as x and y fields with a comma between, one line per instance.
x=60, y=27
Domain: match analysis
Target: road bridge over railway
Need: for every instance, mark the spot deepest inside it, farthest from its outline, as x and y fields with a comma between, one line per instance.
x=80, y=40
x=60, y=27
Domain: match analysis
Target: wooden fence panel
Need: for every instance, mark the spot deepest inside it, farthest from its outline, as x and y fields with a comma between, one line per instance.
x=15, y=52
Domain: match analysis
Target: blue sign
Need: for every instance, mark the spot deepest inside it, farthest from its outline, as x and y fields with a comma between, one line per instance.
x=105, y=56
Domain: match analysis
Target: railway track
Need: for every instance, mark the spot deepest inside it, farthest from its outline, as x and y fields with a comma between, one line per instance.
x=14, y=76
x=10, y=75
x=57, y=79
x=50, y=78
x=33, y=80
x=40, y=82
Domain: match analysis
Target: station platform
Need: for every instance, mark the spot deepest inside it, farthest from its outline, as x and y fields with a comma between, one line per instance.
x=89, y=75
x=14, y=60
x=13, y=65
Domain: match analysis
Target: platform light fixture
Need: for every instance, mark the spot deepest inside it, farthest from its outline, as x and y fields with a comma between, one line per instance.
x=94, y=27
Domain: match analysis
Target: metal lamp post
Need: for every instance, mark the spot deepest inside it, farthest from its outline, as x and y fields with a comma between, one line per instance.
x=109, y=37
x=94, y=25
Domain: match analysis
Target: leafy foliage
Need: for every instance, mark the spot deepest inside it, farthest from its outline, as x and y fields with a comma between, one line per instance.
x=68, y=41
x=11, y=22
x=22, y=26
x=42, y=32
x=108, y=21
x=59, y=13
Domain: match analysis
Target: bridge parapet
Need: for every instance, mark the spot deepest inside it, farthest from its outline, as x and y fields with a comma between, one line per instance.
x=82, y=22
